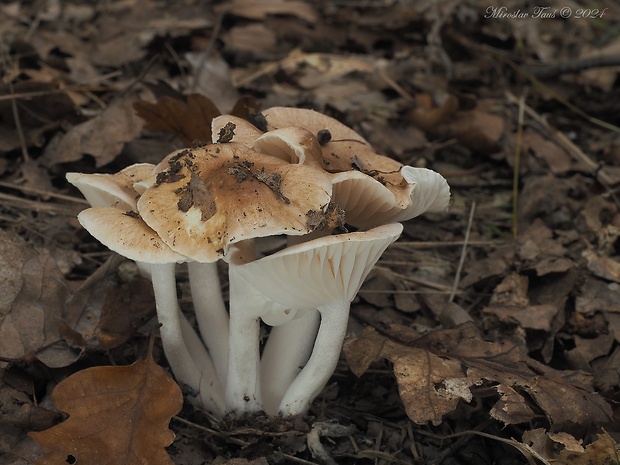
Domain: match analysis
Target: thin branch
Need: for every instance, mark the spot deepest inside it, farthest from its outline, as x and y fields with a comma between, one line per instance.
x=459, y=269
x=515, y=172
x=438, y=244
x=18, y=127
x=207, y=52
x=597, y=170
x=34, y=190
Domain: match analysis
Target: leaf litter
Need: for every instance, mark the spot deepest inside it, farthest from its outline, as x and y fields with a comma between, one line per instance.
x=535, y=317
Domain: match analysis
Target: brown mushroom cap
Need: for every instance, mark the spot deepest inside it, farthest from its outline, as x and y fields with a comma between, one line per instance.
x=372, y=189
x=344, y=151
x=216, y=195
x=283, y=117
x=242, y=131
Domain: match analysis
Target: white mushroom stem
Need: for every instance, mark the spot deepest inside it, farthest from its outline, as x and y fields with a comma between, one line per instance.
x=242, y=392
x=285, y=353
x=183, y=364
x=211, y=313
x=209, y=383
x=322, y=363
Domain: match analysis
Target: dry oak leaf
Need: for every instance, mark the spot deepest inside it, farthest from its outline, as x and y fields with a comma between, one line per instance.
x=188, y=120
x=435, y=371
x=117, y=415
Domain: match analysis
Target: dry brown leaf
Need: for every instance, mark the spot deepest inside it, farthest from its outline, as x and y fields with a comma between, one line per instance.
x=436, y=371
x=478, y=130
x=103, y=136
x=20, y=415
x=239, y=461
x=598, y=296
x=538, y=248
x=255, y=9
x=564, y=449
x=14, y=252
x=558, y=160
x=603, y=77
x=586, y=350
x=104, y=311
x=256, y=38
x=190, y=121
x=603, y=233
x=514, y=302
x=511, y=407
x=308, y=70
x=213, y=77
x=37, y=114
x=42, y=315
x=117, y=42
x=496, y=264
x=550, y=197
x=601, y=266
x=423, y=378
x=427, y=116
x=607, y=371
x=31, y=323
x=117, y=415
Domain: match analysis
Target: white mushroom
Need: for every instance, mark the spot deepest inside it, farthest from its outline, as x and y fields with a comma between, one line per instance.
x=208, y=199
x=122, y=190
x=128, y=235
x=200, y=205
x=325, y=274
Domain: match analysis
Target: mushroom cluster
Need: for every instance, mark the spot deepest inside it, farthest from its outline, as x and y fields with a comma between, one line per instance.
x=296, y=175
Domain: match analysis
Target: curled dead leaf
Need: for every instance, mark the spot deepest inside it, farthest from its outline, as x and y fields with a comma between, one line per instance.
x=429, y=385
x=564, y=449
x=435, y=371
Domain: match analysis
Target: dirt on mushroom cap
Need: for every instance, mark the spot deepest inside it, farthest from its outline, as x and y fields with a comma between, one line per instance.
x=210, y=197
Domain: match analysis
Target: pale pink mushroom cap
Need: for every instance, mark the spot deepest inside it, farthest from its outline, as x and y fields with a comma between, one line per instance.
x=126, y=234
x=112, y=190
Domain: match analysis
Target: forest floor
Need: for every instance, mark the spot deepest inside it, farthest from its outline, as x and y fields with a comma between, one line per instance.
x=489, y=334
